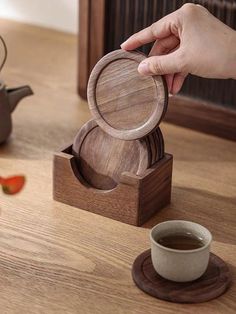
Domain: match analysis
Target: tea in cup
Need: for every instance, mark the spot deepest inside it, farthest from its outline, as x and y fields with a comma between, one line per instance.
x=180, y=250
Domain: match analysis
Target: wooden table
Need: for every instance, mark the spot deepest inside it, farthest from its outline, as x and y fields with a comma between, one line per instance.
x=58, y=259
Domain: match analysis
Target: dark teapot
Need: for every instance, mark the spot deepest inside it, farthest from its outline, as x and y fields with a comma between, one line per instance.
x=9, y=98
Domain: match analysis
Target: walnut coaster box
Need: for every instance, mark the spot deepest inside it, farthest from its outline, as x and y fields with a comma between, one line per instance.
x=117, y=166
x=134, y=200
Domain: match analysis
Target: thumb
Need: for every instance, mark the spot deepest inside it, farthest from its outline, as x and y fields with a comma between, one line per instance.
x=160, y=65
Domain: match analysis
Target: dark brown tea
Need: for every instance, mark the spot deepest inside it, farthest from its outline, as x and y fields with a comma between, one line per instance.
x=181, y=241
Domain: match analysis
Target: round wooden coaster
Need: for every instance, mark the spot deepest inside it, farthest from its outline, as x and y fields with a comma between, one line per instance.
x=161, y=141
x=153, y=148
x=158, y=148
x=102, y=158
x=124, y=103
x=209, y=286
x=148, y=143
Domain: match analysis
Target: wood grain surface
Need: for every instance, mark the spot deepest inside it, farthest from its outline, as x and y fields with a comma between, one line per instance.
x=153, y=148
x=212, y=284
x=124, y=103
x=161, y=142
x=102, y=158
x=55, y=258
x=156, y=145
x=133, y=200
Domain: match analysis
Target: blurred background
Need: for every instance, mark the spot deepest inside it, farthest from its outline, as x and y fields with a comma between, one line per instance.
x=61, y=15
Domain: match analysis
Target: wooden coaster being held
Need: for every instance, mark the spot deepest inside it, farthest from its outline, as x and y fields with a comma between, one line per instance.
x=124, y=103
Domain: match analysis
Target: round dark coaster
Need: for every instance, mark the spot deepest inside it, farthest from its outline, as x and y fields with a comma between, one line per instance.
x=210, y=285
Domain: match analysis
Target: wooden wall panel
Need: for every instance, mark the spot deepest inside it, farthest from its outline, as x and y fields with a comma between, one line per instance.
x=83, y=46
x=202, y=116
x=91, y=39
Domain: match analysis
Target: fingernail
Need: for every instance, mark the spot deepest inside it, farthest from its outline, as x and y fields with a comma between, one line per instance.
x=123, y=44
x=144, y=68
x=171, y=95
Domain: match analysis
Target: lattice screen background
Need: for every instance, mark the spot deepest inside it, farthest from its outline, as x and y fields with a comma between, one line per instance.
x=124, y=17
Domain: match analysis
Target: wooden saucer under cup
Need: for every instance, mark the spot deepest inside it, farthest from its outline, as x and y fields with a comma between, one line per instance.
x=213, y=283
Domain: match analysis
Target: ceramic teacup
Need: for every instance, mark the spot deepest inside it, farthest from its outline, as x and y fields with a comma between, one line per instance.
x=180, y=265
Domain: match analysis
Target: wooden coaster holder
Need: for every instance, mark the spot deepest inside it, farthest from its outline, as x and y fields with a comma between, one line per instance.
x=134, y=200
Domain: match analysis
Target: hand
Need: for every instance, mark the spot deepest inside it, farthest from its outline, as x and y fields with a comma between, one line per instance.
x=189, y=40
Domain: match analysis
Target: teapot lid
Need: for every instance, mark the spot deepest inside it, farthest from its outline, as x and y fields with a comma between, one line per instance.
x=124, y=103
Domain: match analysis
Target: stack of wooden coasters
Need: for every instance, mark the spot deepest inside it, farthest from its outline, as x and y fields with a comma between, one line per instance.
x=117, y=165
x=102, y=159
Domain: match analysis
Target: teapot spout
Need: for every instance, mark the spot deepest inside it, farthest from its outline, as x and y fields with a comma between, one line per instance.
x=16, y=94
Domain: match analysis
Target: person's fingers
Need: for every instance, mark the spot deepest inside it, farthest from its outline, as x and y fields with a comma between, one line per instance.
x=160, y=29
x=160, y=65
x=178, y=82
x=165, y=45
x=169, y=81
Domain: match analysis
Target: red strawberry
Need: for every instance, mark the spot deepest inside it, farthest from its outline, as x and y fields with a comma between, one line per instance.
x=12, y=185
